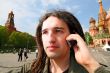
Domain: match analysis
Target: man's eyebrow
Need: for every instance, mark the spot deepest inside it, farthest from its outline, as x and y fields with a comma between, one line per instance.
x=59, y=28
x=54, y=28
x=43, y=30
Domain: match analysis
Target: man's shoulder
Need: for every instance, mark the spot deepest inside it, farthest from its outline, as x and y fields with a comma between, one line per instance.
x=102, y=69
x=75, y=67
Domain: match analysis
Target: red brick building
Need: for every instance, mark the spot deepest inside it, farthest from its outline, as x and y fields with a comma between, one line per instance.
x=10, y=22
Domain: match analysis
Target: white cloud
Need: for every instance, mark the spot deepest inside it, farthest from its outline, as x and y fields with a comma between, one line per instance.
x=74, y=9
x=52, y=2
x=27, y=12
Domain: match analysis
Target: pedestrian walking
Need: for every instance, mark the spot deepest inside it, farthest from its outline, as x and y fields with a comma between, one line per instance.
x=25, y=54
x=36, y=51
x=20, y=52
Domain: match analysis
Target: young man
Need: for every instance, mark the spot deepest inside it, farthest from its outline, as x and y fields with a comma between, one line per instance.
x=54, y=54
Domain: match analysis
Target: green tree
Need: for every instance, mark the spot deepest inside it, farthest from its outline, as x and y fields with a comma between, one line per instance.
x=31, y=42
x=21, y=40
x=17, y=40
x=102, y=35
x=88, y=38
x=4, y=34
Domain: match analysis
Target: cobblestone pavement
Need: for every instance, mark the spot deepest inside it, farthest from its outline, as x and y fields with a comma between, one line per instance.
x=9, y=61
x=102, y=56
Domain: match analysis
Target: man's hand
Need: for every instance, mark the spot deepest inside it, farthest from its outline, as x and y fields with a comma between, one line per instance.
x=82, y=54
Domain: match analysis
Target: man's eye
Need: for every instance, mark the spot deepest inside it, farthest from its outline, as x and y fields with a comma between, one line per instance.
x=58, y=30
x=44, y=32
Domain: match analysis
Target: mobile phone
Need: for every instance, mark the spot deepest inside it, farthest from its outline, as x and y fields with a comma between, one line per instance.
x=71, y=43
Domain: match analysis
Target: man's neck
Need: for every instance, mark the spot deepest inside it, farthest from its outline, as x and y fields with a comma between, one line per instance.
x=59, y=65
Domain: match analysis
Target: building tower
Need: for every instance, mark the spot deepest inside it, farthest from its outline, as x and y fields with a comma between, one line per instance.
x=10, y=22
x=102, y=18
x=93, y=30
x=108, y=20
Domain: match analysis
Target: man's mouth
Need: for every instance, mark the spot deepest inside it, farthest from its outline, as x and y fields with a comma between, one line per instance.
x=52, y=48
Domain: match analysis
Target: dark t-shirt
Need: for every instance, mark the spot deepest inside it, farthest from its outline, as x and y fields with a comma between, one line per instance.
x=63, y=72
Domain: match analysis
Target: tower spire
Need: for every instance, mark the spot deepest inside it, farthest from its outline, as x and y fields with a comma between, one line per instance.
x=10, y=22
x=101, y=17
x=99, y=1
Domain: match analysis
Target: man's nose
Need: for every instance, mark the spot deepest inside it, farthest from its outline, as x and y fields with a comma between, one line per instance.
x=51, y=37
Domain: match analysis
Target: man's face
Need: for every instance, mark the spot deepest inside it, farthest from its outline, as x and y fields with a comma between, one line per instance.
x=54, y=33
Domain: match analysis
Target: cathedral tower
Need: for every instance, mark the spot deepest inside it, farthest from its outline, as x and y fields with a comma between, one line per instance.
x=101, y=18
x=10, y=22
x=108, y=20
x=93, y=30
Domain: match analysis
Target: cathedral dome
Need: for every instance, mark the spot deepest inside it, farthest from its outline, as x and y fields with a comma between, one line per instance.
x=92, y=20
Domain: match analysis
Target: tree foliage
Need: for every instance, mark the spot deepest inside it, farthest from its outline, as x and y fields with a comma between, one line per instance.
x=21, y=40
x=88, y=38
x=4, y=34
x=15, y=39
x=102, y=35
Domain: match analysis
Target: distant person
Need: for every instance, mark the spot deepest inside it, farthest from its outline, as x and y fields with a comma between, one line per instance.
x=36, y=51
x=25, y=54
x=14, y=51
x=20, y=53
x=30, y=51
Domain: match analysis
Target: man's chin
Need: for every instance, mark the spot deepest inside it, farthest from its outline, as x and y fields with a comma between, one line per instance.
x=52, y=56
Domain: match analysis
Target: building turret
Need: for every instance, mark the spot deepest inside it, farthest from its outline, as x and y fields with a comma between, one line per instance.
x=108, y=20
x=93, y=30
x=10, y=22
x=101, y=18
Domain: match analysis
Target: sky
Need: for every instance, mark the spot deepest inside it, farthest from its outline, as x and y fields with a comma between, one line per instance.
x=28, y=12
